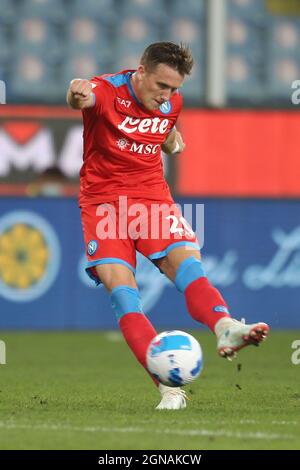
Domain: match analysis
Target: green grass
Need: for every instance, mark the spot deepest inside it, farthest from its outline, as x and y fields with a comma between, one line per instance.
x=82, y=390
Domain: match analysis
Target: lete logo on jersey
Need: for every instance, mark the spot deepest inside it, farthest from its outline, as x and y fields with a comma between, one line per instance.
x=154, y=125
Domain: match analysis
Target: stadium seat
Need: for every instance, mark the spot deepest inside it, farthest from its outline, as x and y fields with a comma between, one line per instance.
x=149, y=10
x=80, y=66
x=251, y=10
x=32, y=79
x=280, y=74
x=131, y=39
x=135, y=32
x=103, y=11
x=4, y=48
x=84, y=35
x=8, y=12
x=187, y=31
x=243, y=36
x=191, y=32
x=36, y=36
x=193, y=88
x=283, y=37
x=243, y=79
x=193, y=9
x=282, y=57
x=125, y=61
x=50, y=10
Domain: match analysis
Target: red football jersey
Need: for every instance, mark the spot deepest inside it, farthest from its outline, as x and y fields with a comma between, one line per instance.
x=122, y=143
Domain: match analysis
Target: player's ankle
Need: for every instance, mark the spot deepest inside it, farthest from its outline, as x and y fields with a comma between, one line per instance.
x=221, y=324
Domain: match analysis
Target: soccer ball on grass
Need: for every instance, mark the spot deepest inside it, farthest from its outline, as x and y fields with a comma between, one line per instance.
x=174, y=358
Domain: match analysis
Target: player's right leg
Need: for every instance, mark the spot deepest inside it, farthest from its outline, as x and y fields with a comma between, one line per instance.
x=126, y=304
x=134, y=325
x=112, y=261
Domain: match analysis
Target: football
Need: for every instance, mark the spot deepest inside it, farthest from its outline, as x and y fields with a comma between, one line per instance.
x=174, y=358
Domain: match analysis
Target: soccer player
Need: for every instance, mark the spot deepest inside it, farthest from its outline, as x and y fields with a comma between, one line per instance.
x=128, y=118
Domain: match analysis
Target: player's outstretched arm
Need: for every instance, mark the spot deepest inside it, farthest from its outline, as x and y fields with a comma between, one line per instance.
x=173, y=143
x=80, y=95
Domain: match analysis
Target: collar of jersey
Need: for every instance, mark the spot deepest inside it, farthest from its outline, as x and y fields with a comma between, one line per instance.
x=128, y=76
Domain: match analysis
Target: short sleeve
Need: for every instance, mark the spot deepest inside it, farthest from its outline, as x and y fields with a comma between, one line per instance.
x=100, y=92
x=178, y=104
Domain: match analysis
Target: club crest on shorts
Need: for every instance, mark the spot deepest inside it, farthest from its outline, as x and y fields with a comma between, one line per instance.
x=92, y=247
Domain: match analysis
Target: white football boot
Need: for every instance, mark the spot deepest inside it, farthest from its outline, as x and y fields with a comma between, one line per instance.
x=233, y=335
x=173, y=398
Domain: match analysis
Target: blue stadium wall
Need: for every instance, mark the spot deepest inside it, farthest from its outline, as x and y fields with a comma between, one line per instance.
x=251, y=253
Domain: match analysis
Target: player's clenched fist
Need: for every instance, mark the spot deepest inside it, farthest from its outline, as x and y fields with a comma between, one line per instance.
x=173, y=143
x=80, y=88
x=80, y=94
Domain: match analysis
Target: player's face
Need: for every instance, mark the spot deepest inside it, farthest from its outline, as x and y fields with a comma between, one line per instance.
x=158, y=85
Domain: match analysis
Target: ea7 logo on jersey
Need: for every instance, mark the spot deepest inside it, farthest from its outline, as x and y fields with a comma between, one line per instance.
x=130, y=125
x=123, y=102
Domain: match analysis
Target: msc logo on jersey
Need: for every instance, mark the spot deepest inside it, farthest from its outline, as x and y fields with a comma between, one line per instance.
x=29, y=256
x=122, y=144
x=166, y=107
x=92, y=247
x=135, y=147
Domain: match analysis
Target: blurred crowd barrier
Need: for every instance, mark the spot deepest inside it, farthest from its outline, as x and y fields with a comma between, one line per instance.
x=240, y=153
x=34, y=139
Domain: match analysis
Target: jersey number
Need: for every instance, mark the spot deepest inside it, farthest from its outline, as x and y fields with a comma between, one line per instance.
x=180, y=230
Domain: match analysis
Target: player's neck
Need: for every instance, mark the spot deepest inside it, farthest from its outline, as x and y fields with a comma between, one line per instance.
x=135, y=85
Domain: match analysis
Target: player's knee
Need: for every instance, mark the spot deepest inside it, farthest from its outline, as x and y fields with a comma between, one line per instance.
x=113, y=275
x=188, y=271
x=124, y=300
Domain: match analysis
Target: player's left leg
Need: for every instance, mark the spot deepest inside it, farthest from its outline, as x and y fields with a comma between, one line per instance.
x=183, y=266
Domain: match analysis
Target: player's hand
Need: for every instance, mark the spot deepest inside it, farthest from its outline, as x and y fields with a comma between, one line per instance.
x=173, y=143
x=81, y=89
x=80, y=95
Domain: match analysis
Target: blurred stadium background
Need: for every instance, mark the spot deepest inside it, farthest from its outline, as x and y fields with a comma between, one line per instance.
x=240, y=124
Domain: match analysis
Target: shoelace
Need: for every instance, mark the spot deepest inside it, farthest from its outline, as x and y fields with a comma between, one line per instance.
x=175, y=392
x=242, y=320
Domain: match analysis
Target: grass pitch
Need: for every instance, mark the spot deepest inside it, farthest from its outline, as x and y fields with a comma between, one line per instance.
x=84, y=390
